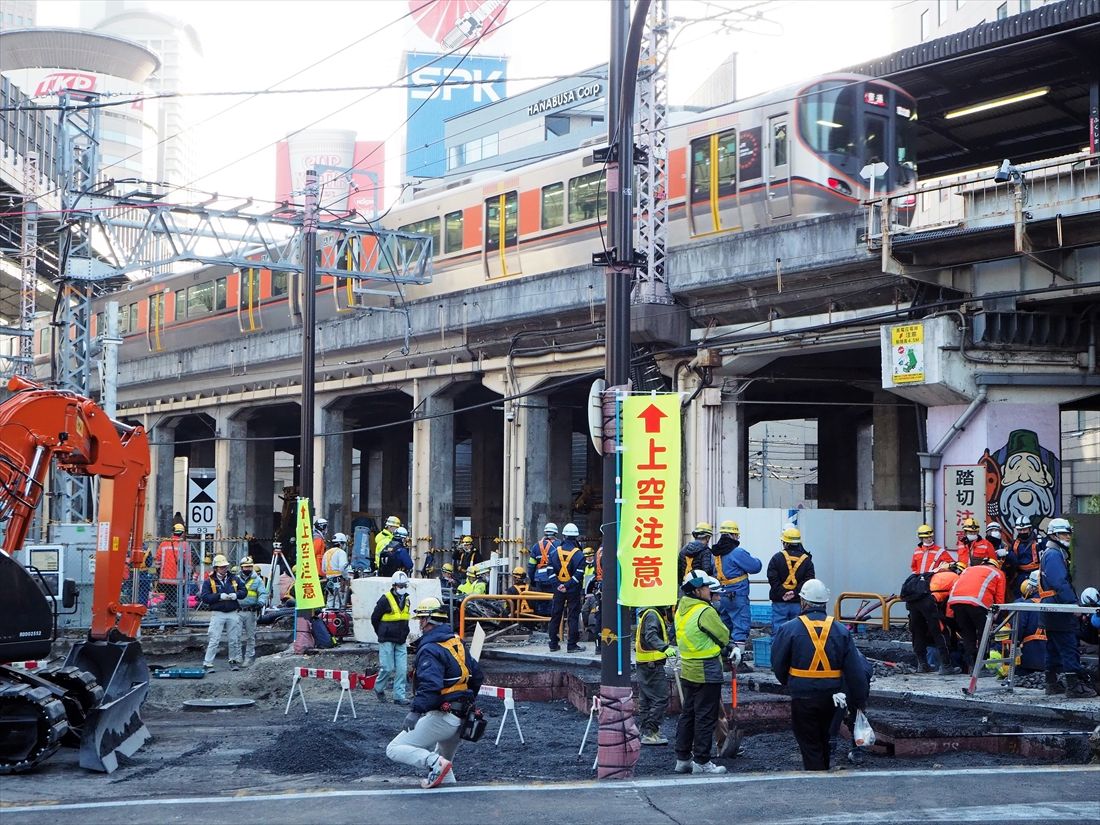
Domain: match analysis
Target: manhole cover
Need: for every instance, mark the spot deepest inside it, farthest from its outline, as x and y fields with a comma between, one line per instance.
x=218, y=704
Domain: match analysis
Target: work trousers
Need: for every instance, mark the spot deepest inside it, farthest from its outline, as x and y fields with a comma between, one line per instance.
x=569, y=601
x=811, y=721
x=543, y=607
x=924, y=624
x=248, y=633
x=737, y=616
x=783, y=612
x=223, y=623
x=652, y=696
x=970, y=620
x=698, y=716
x=435, y=733
x=1062, y=652
x=393, y=668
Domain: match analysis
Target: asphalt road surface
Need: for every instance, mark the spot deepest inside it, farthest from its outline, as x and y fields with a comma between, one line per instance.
x=1000, y=794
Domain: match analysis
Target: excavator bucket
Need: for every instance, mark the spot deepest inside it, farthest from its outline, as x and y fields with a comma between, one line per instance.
x=114, y=726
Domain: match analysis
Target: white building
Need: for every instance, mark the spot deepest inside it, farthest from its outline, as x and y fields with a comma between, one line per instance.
x=916, y=21
x=18, y=14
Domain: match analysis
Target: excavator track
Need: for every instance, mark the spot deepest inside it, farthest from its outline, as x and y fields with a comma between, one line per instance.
x=32, y=724
x=82, y=694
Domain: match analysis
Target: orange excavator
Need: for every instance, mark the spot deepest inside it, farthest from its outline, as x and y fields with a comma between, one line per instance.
x=93, y=701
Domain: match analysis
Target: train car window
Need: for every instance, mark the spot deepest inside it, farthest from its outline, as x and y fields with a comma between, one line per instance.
x=429, y=227
x=249, y=289
x=220, y=293
x=493, y=230
x=700, y=169
x=44, y=340
x=779, y=145
x=907, y=139
x=452, y=232
x=553, y=205
x=100, y=324
x=279, y=282
x=874, y=141
x=133, y=324
x=826, y=118
x=200, y=299
x=587, y=198
x=720, y=153
x=726, y=158
x=156, y=322
x=181, y=305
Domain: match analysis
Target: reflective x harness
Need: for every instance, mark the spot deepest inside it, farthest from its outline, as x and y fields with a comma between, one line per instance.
x=793, y=563
x=820, y=666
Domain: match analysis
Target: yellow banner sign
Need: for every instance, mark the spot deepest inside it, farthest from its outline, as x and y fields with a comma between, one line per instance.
x=907, y=341
x=307, y=587
x=649, y=520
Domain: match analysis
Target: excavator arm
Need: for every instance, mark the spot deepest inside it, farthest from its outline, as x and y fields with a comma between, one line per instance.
x=104, y=679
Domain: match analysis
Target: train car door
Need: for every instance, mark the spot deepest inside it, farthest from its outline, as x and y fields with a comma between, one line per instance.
x=502, y=235
x=714, y=195
x=154, y=332
x=779, y=167
x=249, y=318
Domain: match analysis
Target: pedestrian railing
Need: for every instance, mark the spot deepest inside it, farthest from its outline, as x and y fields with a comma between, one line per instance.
x=516, y=615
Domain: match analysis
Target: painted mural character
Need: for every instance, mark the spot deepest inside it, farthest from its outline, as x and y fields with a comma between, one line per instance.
x=1028, y=484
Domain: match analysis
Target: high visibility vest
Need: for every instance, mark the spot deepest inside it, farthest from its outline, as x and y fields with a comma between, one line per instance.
x=454, y=646
x=545, y=545
x=564, y=557
x=326, y=563
x=941, y=584
x=599, y=565
x=976, y=586
x=793, y=563
x=723, y=578
x=396, y=612
x=252, y=586
x=1028, y=566
x=820, y=666
x=640, y=653
x=383, y=538
x=927, y=559
x=693, y=641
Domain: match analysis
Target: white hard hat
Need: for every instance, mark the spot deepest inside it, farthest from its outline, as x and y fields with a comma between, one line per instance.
x=1090, y=597
x=993, y=527
x=400, y=577
x=320, y=522
x=1059, y=525
x=340, y=538
x=550, y=527
x=401, y=533
x=815, y=592
x=570, y=530
x=699, y=578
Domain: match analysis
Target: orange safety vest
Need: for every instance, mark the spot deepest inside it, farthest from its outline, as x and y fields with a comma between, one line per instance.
x=454, y=646
x=927, y=559
x=545, y=543
x=980, y=586
x=978, y=549
x=793, y=563
x=820, y=666
x=941, y=584
x=563, y=572
x=599, y=565
x=168, y=557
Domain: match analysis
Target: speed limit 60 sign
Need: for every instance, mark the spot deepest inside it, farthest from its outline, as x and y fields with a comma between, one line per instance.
x=202, y=500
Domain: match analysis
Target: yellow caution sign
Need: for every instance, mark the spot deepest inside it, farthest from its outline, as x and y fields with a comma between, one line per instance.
x=307, y=587
x=649, y=520
x=907, y=342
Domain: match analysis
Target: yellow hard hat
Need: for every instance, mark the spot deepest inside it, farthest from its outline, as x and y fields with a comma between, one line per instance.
x=247, y=561
x=791, y=535
x=467, y=539
x=393, y=521
x=703, y=527
x=971, y=524
x=177, y=528
x=430, y=608
x=729, y=527
x=924, y=532
x=519, y=571
x=220, y=561
x=448, y=568
x=589, y=551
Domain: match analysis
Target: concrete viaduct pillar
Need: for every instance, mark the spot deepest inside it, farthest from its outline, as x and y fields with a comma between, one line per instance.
x=158, y=520
x=332, y=463
x=245, y=466
x=432, y=505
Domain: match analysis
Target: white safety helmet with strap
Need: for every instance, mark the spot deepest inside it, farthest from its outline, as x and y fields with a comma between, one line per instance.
x=399, y=579
x=814, y=591
x=340, y=538
x=696, y=579
x=550, y=529
x=570, y=530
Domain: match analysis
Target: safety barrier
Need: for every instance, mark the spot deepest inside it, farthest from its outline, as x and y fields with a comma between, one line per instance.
x=348, y=680
x=528, y=596
x=509, y=707
x=864, y=610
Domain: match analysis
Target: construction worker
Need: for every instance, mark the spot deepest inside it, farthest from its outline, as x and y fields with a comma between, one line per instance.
x=733, y=565
x=538, y=565
x=940, y=586
x=978, y=588
x=817, y=660
x=701, y=637
x=589, y=567
x=334, y=567
x=651, y=649
x=390, y=621
x=972, y=546
x=695, y=555
x=1025, y=549
x=447, y=681
x=788, y=570
x=924, y=621
x=567, y=570
x=222, y=593
x=320, y=541
x=928, y=555
x=476, y=583
x=253, y=603
x=1056, y=587
x=447, y=578
x=1030, y=636
x=395, y=555
x=466, y=555
x=383, y=538
x=517, y=588
x=173, y=559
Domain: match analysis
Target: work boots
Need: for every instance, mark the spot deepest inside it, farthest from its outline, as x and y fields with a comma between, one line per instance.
x=947, y=669
x=1076, y=689
x=1054, y=687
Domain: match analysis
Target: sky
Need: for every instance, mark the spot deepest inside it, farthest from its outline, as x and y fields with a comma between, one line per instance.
x=254, y=44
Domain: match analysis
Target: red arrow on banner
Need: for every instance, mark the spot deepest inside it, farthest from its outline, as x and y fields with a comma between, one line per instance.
x=652, y=416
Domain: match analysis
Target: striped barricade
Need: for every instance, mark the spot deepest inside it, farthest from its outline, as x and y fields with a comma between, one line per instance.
x=348, y=680
x=509, y=706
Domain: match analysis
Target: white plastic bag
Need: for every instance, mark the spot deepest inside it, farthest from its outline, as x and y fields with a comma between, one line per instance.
x=863, y=735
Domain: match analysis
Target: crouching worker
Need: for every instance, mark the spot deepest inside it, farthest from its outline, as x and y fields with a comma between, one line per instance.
x=446, y=681
x=817, y=660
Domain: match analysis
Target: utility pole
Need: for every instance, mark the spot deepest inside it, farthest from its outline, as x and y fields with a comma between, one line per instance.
x=309, y=355
x=618, y=737
x=764, y=470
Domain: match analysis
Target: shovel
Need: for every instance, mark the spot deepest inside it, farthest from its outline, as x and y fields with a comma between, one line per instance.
x=728, y=731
